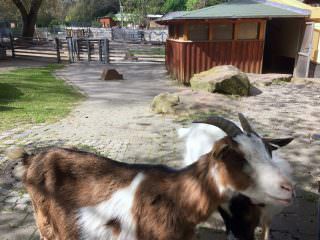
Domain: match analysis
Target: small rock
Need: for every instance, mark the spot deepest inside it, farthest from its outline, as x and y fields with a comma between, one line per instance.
x=165, y=103
x=111, y=74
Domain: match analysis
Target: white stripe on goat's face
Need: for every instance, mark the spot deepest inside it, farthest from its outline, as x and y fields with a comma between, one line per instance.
x=270, y=184
x=93, y=220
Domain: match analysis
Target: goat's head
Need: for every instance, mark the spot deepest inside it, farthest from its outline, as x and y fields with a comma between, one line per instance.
x=243, y=163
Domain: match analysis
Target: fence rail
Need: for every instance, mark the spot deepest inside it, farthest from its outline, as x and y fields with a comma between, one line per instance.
x=86, y=49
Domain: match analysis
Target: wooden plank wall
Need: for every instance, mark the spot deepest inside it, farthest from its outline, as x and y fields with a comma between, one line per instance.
x=183, y=59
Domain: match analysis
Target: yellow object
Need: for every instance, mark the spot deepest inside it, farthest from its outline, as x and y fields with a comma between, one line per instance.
x=315, y=11
x=315, y=54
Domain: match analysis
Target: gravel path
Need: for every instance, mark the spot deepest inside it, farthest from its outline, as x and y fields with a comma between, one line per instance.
x=115, y=120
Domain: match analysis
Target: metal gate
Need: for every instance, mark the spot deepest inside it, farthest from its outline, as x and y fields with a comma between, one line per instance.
x=89, y=49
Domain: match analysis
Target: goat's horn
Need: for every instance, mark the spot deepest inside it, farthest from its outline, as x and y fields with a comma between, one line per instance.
x=227, y=126
x=245, y=124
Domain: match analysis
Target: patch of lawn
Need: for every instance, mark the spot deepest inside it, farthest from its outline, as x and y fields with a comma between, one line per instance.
x=151, y=51
x=34, y=95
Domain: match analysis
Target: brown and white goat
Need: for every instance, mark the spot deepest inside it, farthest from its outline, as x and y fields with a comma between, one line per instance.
x=79, y=195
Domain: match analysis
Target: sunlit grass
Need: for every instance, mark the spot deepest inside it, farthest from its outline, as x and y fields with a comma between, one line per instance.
x=34, y=95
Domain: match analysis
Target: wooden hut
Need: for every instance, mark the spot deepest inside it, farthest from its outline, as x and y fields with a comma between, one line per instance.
x=253, y=35
x=106, y=22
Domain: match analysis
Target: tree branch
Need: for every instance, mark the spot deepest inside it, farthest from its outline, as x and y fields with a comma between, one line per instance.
x=35, y=6
x=21, y=7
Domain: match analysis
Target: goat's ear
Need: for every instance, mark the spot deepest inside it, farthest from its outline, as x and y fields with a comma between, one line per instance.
x=276, y=143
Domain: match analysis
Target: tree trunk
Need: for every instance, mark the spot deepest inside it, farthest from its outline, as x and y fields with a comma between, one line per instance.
x=29, y=18
x=29, y=24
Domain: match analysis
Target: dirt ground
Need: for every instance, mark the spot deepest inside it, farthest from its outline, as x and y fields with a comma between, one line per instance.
x=116, y=121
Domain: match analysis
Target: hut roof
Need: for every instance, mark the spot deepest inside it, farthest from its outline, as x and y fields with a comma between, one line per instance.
x=171, y=15
x=244, y=9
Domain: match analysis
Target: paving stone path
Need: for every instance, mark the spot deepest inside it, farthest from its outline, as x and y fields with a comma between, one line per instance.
x=115, y=120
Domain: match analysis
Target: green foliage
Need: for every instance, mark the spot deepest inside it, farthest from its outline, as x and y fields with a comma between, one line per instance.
x=55, y=22
x=193, y=4
x=94, y=23
x=197, y=4
x=89, y=10
x=8, y=11
x=181, y=5
x=140, y=8
x=34, y=95
x=173, y=5
x=214, y=2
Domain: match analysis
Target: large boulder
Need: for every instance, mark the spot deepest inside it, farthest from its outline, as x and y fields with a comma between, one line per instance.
x=165, y=103
x=222, y=79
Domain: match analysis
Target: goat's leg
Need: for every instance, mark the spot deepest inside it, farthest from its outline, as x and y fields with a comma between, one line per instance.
x=265, y=229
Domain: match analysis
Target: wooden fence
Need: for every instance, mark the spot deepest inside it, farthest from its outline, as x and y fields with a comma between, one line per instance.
x=87, y=49
x=40, y=48
x=60, y=50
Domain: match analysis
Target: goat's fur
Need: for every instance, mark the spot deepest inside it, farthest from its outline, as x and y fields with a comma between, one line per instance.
x=80, y=195
x=241, y=214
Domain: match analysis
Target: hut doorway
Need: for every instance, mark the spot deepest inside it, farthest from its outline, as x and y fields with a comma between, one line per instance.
x=282, y=44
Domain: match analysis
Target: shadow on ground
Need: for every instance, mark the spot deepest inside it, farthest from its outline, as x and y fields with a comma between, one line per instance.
x=9, y=93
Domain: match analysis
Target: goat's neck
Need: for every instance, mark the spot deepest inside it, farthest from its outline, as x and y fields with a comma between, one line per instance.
x=197, y=192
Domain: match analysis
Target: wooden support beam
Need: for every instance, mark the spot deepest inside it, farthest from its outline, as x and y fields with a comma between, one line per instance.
x=186, y=32
x=89, y=50
x=69, y=45
x=211, y=31
x=12, y=46
x=235, y=31
x=58, y=50
x=262, y=30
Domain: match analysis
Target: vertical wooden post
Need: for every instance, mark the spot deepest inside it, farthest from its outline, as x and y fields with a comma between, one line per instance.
x=262, y=30
x=185, y=31
x=106, y=50
x=58, y=50
x=70, y=49
x=211, y=31
x=235, y=30
x=89, y=50
x=100, y=50
x=12, y=46
x=79, y=49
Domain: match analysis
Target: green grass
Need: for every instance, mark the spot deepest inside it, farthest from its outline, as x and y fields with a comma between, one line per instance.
x=34, y=95
x=150, y=51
